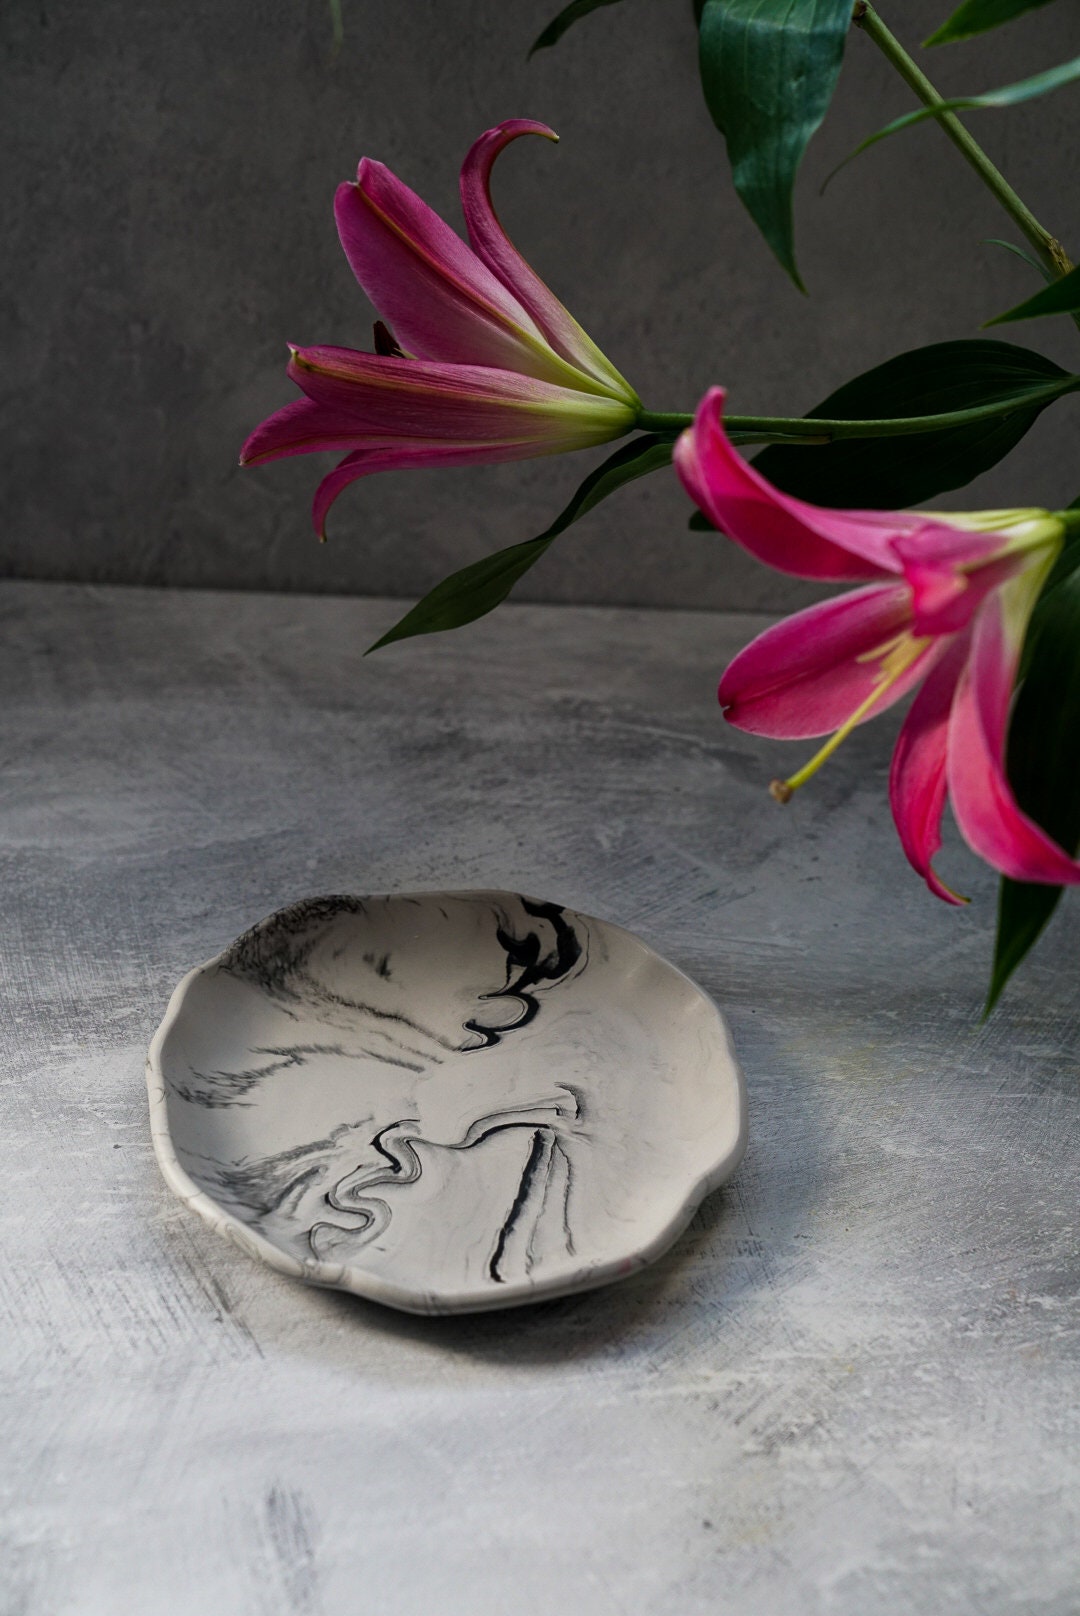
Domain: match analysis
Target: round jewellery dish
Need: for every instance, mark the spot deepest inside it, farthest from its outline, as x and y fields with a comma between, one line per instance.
x=444, y=1101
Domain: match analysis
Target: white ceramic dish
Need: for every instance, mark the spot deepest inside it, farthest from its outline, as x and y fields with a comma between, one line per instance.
x=444, y=1101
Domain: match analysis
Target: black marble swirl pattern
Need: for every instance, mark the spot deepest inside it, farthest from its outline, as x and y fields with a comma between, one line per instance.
x=421, y=1091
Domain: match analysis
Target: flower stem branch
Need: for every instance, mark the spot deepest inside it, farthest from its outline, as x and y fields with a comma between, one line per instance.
x=1048, y=247
x=662, y=420
x=819, y=429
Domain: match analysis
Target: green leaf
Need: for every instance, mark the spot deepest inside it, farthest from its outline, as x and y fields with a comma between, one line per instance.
x=1018, y=252
x=567, y=17
x=768, y=72
x=1010, y=95
x=466, y=595
x=1060, y=297
x=1023, y=911
x=891, y=473
x=1043, y=758
x=976, y=16
x=479, y=588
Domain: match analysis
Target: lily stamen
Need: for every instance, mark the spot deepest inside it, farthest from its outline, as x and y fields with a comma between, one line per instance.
x=902, y=652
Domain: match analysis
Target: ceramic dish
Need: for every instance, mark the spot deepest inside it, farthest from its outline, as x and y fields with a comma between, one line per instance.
x=444, y=1101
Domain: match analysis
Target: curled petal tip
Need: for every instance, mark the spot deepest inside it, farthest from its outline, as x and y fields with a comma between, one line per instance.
x=803, y=540
x=511, y=128
x=941, y=889
x=493, y=247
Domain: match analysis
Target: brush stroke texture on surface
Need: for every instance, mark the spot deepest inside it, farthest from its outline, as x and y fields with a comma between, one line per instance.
x=848, y=1391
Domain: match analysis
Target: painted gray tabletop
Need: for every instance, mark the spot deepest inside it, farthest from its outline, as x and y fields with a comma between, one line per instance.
x=852, y=1386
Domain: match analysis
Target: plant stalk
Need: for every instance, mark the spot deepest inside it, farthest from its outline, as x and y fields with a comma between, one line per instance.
x=1048, y=247
x=821, y=429
x=662, y=421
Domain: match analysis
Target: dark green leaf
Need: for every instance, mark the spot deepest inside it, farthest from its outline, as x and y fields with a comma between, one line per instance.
x=976, y=16
x=1060, y=297
x=769, y=72
x=1010, y=95
x=890, y=473
x=1043, y=758
x=466, y=595
x=1010, y=246
x=567, y=17
x=1023, y=911
x=479, y=588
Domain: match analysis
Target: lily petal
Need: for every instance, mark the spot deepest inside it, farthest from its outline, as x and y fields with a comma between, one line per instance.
x=988, y=814
x=392, y=398
x=494, y=248
x=917, y=777
x=302, y=427
x=356, y=398
x=804, y=540
x=950, y=573
x=439, y=299
x=412, y=456
x=806, y=675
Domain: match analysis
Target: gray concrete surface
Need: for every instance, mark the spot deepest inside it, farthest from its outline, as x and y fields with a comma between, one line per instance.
x=851, y=1388
x=167, y=196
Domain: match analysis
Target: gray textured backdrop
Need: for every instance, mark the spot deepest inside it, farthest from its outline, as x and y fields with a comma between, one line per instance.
x=167, y=201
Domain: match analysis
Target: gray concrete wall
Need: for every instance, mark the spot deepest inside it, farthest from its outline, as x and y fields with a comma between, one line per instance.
x=167, y=206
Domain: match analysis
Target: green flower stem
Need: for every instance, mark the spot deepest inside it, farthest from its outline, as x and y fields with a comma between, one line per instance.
x=662, y=421
x=793, y=440
x=1049, y=249
x=817, y=429
x=1070, y=517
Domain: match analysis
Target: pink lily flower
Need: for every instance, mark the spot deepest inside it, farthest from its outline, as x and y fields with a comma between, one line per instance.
x=947, y=609
x=484, y=363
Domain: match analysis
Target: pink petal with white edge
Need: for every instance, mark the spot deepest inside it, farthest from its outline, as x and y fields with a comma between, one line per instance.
x=808, y=674
x=402, y=398
x=917, y=783
x=493, y=246
x=440, y=300
x=804, y=540
x=411, y=456
x=988, y=814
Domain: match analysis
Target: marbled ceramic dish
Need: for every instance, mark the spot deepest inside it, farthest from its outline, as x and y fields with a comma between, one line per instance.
x=444, y=1101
